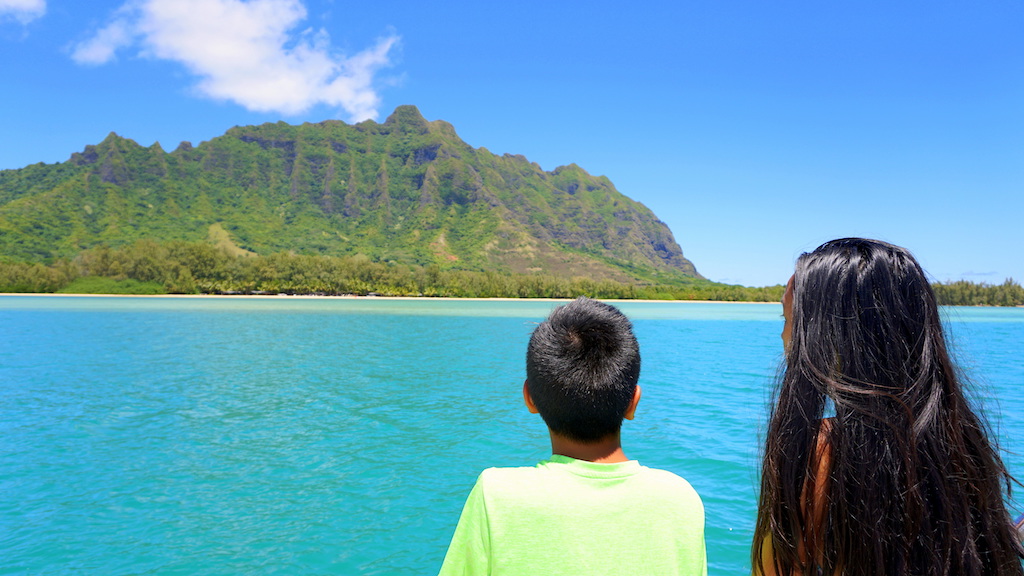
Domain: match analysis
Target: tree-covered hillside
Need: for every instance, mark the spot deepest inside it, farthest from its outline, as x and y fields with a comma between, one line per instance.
x=406, y=191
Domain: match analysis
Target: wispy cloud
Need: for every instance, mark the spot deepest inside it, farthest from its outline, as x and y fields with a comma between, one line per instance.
x=23, y=11
x=251, y=53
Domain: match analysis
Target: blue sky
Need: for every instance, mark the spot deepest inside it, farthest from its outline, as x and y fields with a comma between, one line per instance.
x=755, y=130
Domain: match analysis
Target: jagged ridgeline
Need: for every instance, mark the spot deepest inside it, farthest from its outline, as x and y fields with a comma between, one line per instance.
x=407, y=190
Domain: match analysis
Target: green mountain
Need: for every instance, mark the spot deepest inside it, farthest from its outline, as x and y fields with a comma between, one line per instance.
x=407, y=190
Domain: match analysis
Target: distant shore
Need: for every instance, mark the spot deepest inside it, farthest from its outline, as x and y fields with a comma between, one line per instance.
x=356, y=297
x=435, y=298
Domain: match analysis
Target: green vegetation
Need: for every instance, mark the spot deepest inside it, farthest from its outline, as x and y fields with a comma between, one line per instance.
x=406, y=191
x=964, y=293
x=99, y=285
x=148, y=267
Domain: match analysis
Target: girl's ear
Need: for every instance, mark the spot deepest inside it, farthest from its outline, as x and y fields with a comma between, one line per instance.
x=528, y=400
x=631, y=410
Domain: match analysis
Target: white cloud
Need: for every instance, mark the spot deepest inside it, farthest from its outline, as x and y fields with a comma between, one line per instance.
x=101, y=47
x=23, y=11
x=246, y=52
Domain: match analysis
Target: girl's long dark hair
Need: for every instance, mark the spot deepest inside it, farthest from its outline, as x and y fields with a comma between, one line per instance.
x=914, y=485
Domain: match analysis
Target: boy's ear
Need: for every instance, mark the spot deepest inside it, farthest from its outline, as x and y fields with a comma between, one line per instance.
x=529, y=401
x=631, y=410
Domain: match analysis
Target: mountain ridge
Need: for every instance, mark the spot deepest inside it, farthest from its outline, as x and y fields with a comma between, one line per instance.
x=406, y=190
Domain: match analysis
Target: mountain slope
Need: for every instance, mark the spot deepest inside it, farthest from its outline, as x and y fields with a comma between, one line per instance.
x=406, y=190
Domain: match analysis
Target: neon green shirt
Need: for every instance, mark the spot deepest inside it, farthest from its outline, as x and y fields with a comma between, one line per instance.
x=572, y=517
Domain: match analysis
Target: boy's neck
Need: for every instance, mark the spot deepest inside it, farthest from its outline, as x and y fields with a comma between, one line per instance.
x=604, y=451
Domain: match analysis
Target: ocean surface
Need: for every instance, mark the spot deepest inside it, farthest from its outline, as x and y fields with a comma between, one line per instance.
x=202, y=436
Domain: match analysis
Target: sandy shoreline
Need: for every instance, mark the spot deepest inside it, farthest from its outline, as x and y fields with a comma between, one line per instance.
x=353, y=297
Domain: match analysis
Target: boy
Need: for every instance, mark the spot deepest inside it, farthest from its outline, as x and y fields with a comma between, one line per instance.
x=588, y=509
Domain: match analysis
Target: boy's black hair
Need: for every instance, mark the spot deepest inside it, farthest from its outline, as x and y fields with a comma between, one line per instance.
x=582, y=366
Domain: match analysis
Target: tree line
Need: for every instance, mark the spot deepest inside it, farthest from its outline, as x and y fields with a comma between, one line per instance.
x=150, y=267
x=964, y=293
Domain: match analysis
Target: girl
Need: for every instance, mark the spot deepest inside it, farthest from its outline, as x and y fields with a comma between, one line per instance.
x=903, y=479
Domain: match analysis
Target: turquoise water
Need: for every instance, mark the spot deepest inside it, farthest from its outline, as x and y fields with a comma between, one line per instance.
x=337, y=436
